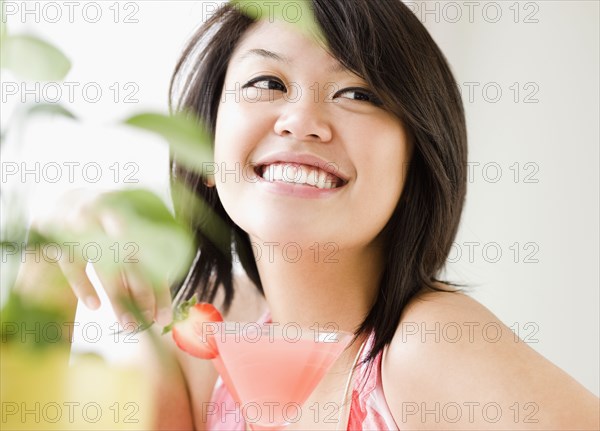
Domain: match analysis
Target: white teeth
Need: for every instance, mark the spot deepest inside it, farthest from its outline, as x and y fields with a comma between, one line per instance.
x=322, y=179
x=278, y=173
x=304, y=176
x=312, y=176
x=291, y=173
x=299, y=174
x=267, y=173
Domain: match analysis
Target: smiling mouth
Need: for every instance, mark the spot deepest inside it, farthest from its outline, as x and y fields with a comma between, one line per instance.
x=296, y=173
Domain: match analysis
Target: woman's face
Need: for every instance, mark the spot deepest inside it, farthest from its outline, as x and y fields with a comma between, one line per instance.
x=303, y=151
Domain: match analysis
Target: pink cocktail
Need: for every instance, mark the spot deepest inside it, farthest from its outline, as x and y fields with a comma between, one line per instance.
x=271, y=371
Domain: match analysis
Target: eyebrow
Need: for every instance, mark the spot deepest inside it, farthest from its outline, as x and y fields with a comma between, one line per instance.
x=264, y=53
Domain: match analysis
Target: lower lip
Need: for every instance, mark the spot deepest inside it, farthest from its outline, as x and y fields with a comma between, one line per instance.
x=297, y=190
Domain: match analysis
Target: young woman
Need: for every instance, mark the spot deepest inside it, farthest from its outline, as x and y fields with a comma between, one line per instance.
x=340, y=171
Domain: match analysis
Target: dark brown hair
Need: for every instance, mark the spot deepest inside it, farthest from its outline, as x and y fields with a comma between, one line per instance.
x=383, y=42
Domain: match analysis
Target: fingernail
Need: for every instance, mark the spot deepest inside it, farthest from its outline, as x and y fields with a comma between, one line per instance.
x=91, y=302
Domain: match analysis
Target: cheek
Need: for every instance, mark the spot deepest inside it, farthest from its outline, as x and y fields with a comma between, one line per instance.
x=226, y=143
x=383, y=185
x=238, y=131
x=381, y=151
x=381, y=168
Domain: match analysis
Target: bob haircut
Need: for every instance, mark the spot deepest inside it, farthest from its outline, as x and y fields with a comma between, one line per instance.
x=385, y=44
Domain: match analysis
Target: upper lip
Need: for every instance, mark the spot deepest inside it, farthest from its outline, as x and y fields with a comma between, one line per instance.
x=303, y=159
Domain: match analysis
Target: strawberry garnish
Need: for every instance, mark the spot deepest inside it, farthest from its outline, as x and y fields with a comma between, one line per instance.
x=190, y=329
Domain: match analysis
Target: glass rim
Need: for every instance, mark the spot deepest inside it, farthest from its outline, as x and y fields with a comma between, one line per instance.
x=275, y=329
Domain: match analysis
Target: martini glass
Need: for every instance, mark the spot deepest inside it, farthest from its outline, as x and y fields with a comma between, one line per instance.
x=271, y=370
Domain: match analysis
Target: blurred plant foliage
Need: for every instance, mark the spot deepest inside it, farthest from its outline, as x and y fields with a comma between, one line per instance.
x=34, y=368
x=189, y=143
x=296, y=12
x=161, y=246
x=34, y=59
x=164, y=246
x=34, y=365
x=30, y=57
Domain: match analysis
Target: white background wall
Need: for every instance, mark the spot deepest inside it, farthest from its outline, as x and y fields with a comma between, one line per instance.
x=548, y=291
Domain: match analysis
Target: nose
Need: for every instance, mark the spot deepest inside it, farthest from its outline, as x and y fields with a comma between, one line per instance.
x=305, y=120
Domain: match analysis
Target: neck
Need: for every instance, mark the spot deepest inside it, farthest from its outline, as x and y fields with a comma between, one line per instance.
x=320, y=285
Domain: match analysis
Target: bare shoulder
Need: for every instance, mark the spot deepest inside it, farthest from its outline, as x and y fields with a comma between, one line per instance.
x=454, y=365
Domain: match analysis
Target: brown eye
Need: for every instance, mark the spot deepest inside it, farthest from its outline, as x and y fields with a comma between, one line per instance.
x=359, y=94
x=266, y=83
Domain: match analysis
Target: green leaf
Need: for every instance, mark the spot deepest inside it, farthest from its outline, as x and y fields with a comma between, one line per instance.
x=11, y=262
x=34, y=59
x=13, y=231
x=189, y=142
x=50, y=108
x=296, y=12
x=193, y=211
x=20, y=315
x=149, y=241
x=138, y=203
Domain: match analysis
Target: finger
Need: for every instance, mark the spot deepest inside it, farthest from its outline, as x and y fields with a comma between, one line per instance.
x=73, y=268
x=118, y=294
x=112, y=224
x=118, y=286
x=164, y=312
x=73, y=214
x=142, y=294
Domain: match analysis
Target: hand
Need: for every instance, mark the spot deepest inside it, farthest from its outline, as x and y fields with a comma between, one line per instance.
x=133, y=242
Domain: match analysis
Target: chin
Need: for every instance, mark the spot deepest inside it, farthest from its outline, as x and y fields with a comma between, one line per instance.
x=289, y=232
